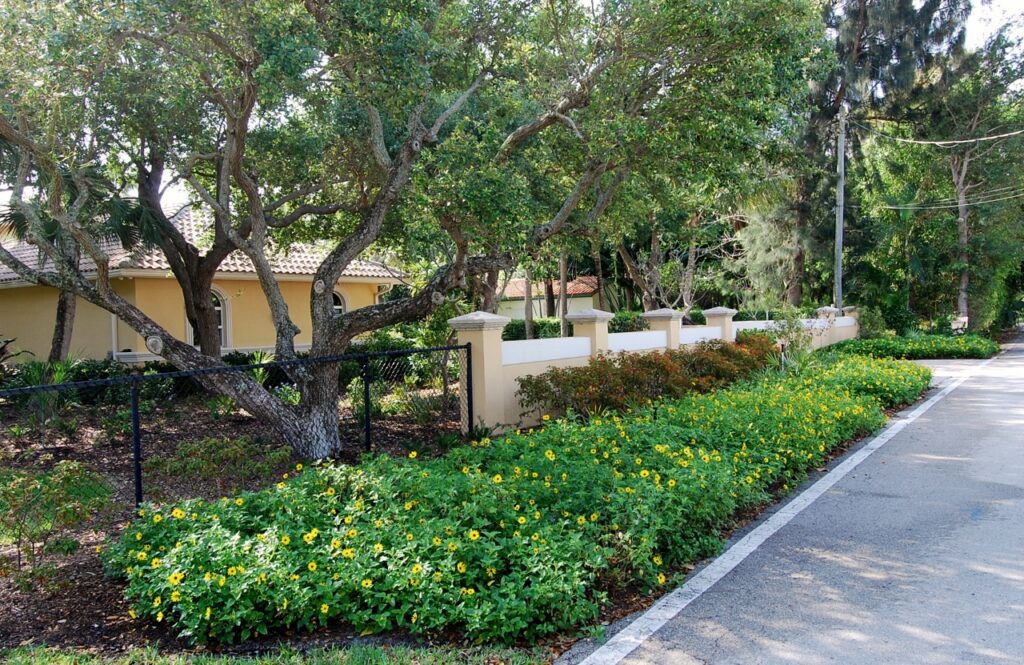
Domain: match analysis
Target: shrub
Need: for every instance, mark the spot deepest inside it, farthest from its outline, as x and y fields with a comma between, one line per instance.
x=508, y=539
x=543, y=328
x=921, y=347
x=36, y=508
x=628, y=321
x=892, y=382
x=619, y=382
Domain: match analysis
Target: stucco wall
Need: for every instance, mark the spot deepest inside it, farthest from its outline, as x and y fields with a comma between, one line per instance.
x=27, y=313
x=516, y=309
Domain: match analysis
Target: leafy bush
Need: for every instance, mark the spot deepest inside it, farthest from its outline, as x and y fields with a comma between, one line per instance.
x=37, y=507
x=620, y=382
x=543, y=328
x=508, y=539
x=628, y=321
x=921, y=347
x=892, y=382
x=872, y=323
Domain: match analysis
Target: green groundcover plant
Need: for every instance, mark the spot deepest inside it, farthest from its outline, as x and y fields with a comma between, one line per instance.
x=921, y=347
x=506, y=539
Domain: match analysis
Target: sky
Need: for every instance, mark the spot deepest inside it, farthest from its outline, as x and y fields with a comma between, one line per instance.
x=987, y=17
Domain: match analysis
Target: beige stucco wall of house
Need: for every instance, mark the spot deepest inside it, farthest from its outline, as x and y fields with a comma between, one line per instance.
x=516, y=309
x=27, y=313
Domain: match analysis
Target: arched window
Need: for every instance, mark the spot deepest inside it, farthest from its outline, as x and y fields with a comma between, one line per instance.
x=221, y=309
x=337, y=304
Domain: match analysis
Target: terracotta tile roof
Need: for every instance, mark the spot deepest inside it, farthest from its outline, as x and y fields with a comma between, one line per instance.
x=584, y=285
x=300, y=259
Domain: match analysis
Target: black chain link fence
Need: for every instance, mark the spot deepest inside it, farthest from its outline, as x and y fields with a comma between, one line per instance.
x=72, y=450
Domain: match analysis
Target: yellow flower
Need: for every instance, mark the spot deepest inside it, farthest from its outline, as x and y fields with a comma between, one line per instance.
x=521, y=519
x=285, y=540
x=138, y=535
x=175, y=596
x=330, y=491
x=378, y=548
x=280, y=486
x=367, y=583
x=175, y=579
x=412, y=455
x=474, y=534
x=545, y=417
x=417, y=569
x=239, y=501
x=348, y=553
x=311, y=566
x=157, y=601
x=298, y=467
x=231, y=571
x=158, y=518
x=550, y=454
x=335, y=543
x=496, y=478
x=141, y=556
x=177, y=513
x=469, y=591
x=656, y=559
x=461, y=566
x=324, y=608
x=155, y=562
x=452, y=547
x=408, y=505
x=409, y=536
x=661, y=578
x=132, y=614
x=581, y=520
x=222, y=581
x=159, y=616
x=436, y=540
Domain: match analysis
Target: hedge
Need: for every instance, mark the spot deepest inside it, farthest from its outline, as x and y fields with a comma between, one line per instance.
x=920, y=347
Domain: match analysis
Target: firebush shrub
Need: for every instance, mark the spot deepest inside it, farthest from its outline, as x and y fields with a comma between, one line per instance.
x=505, y=539
x=617, y=382
x=919, y=347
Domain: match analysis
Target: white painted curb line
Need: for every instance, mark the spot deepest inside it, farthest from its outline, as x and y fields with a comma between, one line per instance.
x=632, y=636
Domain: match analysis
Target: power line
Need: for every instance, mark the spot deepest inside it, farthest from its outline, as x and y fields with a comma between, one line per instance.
x=1017, y=195
x=942, y=144
x=997, y=191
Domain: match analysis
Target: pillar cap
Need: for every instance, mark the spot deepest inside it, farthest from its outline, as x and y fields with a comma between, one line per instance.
x=589, y=316
x=850, y=309
x=719, y=311
x=479, y=321
x=827, y=310
x=663, y=313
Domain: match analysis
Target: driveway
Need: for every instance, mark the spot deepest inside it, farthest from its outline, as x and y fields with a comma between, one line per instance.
x=916, y=555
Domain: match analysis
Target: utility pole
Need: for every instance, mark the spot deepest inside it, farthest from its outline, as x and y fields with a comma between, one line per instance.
x=840, y=205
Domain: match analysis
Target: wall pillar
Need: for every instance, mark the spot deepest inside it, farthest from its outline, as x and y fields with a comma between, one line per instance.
x=826, y=337
x=592, y=323
x=667, y=320
x=482, y=331
x=722, y=317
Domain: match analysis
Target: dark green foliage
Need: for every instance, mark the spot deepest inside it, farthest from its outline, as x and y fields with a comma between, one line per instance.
x=543, y=328
x=921, y=347
x=627, y=321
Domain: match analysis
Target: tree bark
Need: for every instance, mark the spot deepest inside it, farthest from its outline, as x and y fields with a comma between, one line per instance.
x=528, y=301
x=63, y=327
x=636, y=276
x=959, y=168
x=563, y=293
x=549, y=298
x=595, y=255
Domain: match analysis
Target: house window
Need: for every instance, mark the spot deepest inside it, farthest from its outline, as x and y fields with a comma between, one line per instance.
x=221, y=310
x=337, y=304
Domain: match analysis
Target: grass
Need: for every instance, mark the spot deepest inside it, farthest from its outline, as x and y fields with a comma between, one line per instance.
x=356, y=655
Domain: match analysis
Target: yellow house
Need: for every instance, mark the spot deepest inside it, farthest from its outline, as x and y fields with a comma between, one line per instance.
x=27, y=311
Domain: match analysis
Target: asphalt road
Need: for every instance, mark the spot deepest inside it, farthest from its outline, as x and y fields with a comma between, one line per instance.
x=916, y=556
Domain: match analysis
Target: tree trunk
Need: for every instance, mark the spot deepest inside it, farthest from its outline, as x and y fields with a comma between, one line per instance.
x=549, y=298
x=528, y=301
x=964, y=258
x=489, y=291
x=595, y=254
x=635, y=276
x=686, y=287
x=63, y=327
x=563, y=292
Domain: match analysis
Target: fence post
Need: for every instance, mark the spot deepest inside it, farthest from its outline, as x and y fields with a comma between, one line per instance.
x=136, y=439
x=469, y=385
x=481, y=331
x=367, y=407
x=668, y=320
x=721, y=317
x=592, y=323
